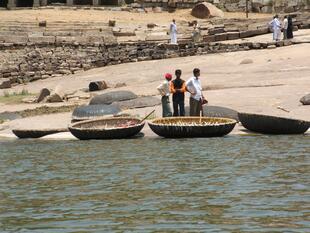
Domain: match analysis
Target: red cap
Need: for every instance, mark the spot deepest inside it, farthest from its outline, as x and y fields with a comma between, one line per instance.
x=168, y=76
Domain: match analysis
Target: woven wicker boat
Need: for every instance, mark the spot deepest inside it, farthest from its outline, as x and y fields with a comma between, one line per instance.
x=272, y=124
x=36, y=133
x=107, y=128
x=189, y=127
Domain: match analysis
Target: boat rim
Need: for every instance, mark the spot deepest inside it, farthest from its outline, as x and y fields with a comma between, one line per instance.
x=229, y=121
x=273, y=116
x=73, y=125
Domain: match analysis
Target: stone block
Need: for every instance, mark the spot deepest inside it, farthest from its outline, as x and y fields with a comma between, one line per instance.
x=65, y=39
x=42, y=39
x=208, y=39
x=5, y=83
x=95, y=39
x=233, y=35
x=43, y=94
x=97, y=86
x=250, y=33
x=213, y=31
x=221, y=37
x=157, y=37
x=16, y=39
x=125, y=32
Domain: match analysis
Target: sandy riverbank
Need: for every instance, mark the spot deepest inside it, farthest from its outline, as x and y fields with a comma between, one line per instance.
x=272, y=84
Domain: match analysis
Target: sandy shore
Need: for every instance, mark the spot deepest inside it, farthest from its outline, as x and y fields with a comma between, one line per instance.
x=91, y=15
x=272, y=84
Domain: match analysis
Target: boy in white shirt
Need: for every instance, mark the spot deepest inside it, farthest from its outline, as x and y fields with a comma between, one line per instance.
x=193, y=86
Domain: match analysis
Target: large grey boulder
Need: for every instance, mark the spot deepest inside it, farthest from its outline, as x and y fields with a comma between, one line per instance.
x=113, y=96
x=205, y=10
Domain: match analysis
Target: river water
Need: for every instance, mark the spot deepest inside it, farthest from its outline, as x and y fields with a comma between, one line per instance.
x=230, y=184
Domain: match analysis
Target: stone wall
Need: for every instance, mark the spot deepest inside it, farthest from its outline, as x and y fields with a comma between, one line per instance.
x=22, y=64
x=263, y=6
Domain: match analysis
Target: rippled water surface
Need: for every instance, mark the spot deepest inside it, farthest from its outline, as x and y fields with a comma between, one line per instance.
x=236, y=183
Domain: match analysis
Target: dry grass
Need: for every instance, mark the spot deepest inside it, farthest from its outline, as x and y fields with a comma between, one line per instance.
x=14, y=97
x=46, y=110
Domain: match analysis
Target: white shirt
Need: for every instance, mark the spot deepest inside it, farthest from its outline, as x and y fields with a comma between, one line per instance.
x=173, y=28
x=193, y=85
x=275, y=23
x=285, y=23
x=164, y=88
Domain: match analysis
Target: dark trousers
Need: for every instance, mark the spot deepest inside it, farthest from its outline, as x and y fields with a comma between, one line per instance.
x=166, y=106
x=194, y=107
x=284, y=34
x=178, y=105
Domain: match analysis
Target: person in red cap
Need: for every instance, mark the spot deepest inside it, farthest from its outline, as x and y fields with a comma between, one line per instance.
x=164, y=90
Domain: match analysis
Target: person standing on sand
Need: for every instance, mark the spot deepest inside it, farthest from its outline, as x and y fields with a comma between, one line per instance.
x=285, y=24
x=177, y=88
x=276, y=28
x=164, y=90
x=196, y=35
x=193, y=86
x=173, y=32
x=289, y=27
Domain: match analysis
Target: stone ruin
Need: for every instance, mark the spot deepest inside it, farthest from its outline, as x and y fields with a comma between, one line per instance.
x=10, y=4
x=262, y=6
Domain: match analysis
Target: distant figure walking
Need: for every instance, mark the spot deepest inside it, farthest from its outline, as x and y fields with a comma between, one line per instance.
x=290, y=27
x=178, y=89
x=164, y=90
x=285, y=25
x=173, y=32
x=193, y=86
x=196, y=35
x=276, y=28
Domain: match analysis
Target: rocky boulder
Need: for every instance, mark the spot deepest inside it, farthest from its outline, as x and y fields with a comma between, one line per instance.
x=205, y=10
x=5, y=83
x=43, y=94
x=305, y=100
x=97, y=85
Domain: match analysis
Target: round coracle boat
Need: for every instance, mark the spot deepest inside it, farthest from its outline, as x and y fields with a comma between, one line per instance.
x=89, y=112
x=273, y=125
x=189, y=127
x=36, y=133
x=107, y=128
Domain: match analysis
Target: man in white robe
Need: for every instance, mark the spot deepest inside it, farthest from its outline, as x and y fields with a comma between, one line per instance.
x=276, y=28
x=173, y=32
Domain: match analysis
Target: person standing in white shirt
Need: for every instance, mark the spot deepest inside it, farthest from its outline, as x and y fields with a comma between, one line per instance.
x=164, y=90
x=276, y=28
x=285, y=26
x=173, y=33
x=193, y=86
